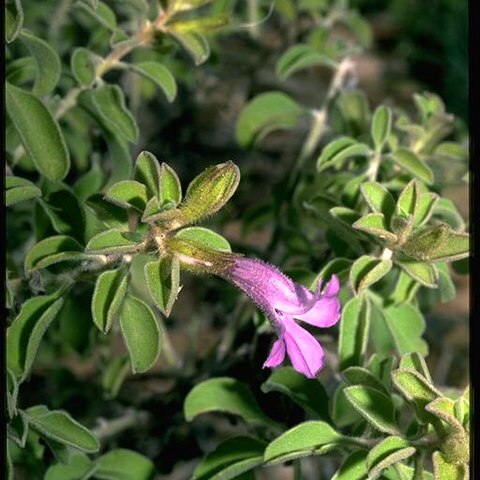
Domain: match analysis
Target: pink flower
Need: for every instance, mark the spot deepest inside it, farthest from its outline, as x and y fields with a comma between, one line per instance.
x=285, y=301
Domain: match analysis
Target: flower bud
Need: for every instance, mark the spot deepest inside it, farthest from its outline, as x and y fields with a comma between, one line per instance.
x=209, y=192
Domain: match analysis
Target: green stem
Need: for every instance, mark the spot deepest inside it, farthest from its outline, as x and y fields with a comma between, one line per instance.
x=111, y=428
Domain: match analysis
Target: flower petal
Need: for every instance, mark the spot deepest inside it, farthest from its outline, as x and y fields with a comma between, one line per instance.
x=305, y=352
x=326, y=311
x=277, y=354
x=268, y=287
x=333, y=287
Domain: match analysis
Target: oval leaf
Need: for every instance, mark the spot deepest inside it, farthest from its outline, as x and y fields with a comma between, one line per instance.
x=163, y=283
x=305, y=437
x=47, y=63
x=386, y=453
x=298, y=57
x=110, y=241
x=141, y=333
x=265, y=113
x=128, y=194
x=59, y=248
x=110, y=102
x=354, y=327
x=39, y=132
x=381, y=126
x=376, y=407
x=108, y=295
x=26, y=332
x=228, y=395
x=412, y=164
x=366, y=271
x=205, y=237
x=61, y=427
x=124, y=464
x=230, y=459
x=19, y=189
x=158, y=74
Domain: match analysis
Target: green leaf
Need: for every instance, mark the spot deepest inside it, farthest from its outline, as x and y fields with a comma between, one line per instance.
x=353, y=110
x=337, y=266
x=354, y=326
x=380, y=334
x=124, y=464
x=64, y=211
x=102, y=13
x=110, y=289
x=309, y=394
x=437, y=244
x=224, y=394
x=110, y=103
x=366, y=271
x=83, y=66
x=339, y=150
x=170, y=187
x=379, y=199
x=446, y=211
x=159, y=75
x=424, y=273
x=113, y=376
x=361, y=376
x=353, y=467
x=376, y=407
x=299, y=57
x=425, y=208
x=13, y=23
x=204, y=237
x=414, y=361
x=386, y=453
x=444, y=470
x=204, y=24
x=39, y=131
x=265, y=113
x=301, y=440
x=413, y=165
x=407, y=202
x=195, y=44
x=230, y=459
x=147, y=172
x=59, y=248
x=17, y=429
x=12, y=393
x=79, y=466
x=59, y=426
x=381, y=126
x=19, y=189
x=406, y=325
x=417, y=389
x=376, y=225
x=47, y=63
x=446, y=286
x=163, y=282
x=141, y=333
x=128, y=194
x=342, y=412
x=405, y=289
x=110, y=242
x=184, y=5
x=110, y=215
x=91, y=182
x=25, y=333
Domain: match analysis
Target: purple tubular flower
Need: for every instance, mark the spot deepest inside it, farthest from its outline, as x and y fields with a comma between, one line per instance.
x=283, y=301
